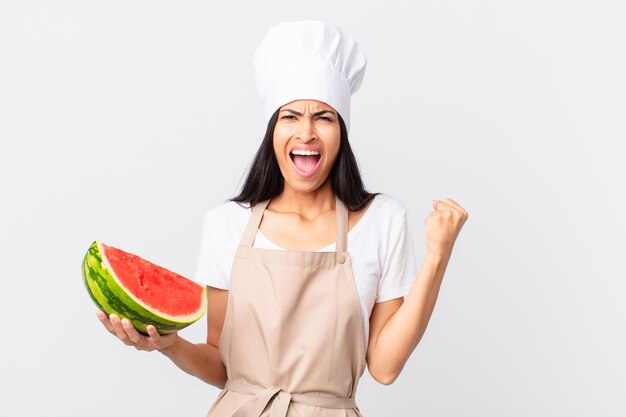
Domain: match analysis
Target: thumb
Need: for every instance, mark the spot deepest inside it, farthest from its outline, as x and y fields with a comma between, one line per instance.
x=153, y=333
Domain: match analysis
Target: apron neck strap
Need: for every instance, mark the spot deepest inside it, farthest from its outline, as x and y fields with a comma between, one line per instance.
x=342, y=226
x=341, y=222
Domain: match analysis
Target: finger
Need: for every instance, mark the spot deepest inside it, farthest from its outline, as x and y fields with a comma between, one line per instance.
x=441, y=204
x=132, y=333
x=452, y=202
x=444, y=205
x=437, y=204
x=119, y=329
x=105, y=321
x=153, y=334
x=157, y=340
x=455, y=204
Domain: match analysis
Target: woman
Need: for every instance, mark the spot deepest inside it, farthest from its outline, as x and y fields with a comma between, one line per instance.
x=306, y=270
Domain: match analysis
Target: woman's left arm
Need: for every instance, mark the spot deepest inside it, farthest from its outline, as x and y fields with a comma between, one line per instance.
x=397, y=326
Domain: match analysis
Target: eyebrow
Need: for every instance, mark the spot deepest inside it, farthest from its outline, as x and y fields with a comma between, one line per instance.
x=314, y=114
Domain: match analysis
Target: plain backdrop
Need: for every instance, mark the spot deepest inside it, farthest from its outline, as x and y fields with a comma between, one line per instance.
x=125, y=122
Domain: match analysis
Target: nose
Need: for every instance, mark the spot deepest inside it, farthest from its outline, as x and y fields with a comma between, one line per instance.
x=306, y=130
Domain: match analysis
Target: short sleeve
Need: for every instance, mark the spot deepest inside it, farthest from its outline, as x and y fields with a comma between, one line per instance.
x=208, y=269
x=400, y=266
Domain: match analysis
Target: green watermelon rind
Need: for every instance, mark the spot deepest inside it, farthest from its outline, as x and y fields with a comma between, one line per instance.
x=109, y=295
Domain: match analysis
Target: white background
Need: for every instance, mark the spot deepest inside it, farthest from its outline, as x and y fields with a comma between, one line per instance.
x=125, y=121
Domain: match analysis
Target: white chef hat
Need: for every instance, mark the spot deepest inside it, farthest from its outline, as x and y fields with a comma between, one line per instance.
x=308, y=60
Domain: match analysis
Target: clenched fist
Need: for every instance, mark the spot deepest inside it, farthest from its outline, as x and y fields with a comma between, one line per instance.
x=443, y=225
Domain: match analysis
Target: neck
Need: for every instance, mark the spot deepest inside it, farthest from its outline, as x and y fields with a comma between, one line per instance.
x=308, y=204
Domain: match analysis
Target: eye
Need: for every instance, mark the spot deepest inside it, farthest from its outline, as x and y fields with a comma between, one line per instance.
x=291, y=117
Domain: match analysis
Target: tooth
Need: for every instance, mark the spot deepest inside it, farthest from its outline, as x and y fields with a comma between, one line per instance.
x=304, y=152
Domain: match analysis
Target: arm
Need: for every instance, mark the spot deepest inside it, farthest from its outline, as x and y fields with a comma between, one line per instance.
x=397, y=326
x=201, y=360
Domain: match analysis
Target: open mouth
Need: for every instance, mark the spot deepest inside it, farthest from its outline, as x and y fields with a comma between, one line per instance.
x=305, y=163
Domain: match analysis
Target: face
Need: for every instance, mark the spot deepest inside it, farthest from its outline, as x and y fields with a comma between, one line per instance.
x=306, y=143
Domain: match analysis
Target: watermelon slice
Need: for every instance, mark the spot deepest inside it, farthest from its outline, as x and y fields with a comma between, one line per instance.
x=144, y=293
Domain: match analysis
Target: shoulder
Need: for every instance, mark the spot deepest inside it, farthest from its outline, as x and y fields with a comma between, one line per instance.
x=382, y=226
x=228, y=209
x=387, y=210
x=228, y=216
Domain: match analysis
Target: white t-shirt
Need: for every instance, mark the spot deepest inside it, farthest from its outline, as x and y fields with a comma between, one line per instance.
x=381, y=246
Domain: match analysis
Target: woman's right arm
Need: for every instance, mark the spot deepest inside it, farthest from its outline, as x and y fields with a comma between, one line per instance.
x=201, y=360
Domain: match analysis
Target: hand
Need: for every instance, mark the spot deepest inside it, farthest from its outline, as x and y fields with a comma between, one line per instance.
x=443, y=225
x=126, y=332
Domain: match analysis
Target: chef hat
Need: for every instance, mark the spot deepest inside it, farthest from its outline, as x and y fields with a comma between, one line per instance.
x=308, y=60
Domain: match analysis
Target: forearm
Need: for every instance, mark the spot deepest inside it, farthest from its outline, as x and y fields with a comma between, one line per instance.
x=403, y=331
x=201, y=360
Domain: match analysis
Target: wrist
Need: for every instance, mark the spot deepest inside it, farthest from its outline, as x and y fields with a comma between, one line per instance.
x=171, y=348
x=436, y=258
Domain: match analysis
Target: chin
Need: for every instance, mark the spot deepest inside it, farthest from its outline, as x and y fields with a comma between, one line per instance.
x=302, y=185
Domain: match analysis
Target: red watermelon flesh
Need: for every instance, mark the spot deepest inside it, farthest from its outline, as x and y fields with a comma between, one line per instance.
x=148, y=283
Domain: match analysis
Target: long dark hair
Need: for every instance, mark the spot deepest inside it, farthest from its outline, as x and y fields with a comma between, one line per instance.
x=265, y=181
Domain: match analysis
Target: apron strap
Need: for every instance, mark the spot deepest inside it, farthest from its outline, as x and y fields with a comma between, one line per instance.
x=253, y=224
x=342, y=226
x=341, y=222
